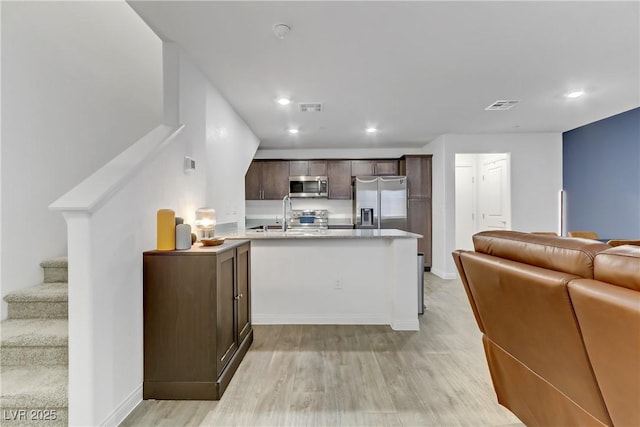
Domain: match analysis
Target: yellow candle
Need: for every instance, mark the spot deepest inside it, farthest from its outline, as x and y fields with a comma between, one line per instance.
x=166, y=223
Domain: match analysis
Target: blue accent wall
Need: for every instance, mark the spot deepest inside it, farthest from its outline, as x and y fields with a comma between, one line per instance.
x=601, y=176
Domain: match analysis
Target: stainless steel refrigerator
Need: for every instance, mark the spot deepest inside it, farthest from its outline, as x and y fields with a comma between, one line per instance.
x=380, y=202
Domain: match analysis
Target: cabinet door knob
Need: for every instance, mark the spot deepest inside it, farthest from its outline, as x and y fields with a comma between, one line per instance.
x=237, y=297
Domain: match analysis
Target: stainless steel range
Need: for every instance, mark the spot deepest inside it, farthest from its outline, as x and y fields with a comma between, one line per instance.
x=309, y=219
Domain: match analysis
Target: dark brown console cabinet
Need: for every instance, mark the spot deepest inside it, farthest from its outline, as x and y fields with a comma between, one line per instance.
x=197, y=319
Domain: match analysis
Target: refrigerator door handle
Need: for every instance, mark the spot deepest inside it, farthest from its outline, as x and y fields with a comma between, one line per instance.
x=379, y=207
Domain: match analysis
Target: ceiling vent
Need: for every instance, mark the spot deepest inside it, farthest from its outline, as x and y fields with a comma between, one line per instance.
x=310, y=107
x=502, y=105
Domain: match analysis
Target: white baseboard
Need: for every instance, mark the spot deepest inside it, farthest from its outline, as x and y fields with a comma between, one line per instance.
x=443, y=274
x=301, y=319
x=295, y=319
x=124, y=408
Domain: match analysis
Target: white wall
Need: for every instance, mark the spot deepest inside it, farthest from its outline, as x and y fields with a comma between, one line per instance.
x=231, y=146
x=105, y=278
x=536, y=179
x=218, y=140
x=105, y=247
x=440, y=218
x=81, y=81
x=2, y=309
x=106, y=339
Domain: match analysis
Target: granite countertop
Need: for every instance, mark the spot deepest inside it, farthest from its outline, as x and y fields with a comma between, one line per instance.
x=324, y=234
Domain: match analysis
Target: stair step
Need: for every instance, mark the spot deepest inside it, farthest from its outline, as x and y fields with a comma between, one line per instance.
x=32, y=392
x=34, y=341
x=55, y=270
x=48, y=300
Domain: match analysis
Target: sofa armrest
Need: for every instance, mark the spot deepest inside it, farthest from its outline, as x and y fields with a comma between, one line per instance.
x=463, y=277
x=609, y=320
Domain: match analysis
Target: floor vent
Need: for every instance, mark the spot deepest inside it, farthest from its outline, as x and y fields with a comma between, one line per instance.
x=310, y=107
x=501, y=105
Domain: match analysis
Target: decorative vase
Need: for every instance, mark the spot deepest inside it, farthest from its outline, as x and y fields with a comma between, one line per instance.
x=183, y=236
x=166, y=230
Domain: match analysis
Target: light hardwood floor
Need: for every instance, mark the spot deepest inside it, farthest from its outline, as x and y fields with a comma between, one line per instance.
x=329, y=375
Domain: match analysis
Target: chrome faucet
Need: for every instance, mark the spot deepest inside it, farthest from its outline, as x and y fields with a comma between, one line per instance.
x=284, y=211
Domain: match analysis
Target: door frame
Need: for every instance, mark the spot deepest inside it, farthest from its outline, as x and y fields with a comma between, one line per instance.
x=479, y=158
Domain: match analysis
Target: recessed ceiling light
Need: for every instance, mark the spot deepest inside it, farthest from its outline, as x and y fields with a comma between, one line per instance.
x=293, y=131
x=284, y=101
x=372, y=130
x=502, y=104
x=575, y=94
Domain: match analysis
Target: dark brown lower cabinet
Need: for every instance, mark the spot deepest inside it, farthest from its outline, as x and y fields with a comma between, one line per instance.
x=197, y=319
x=419, y=221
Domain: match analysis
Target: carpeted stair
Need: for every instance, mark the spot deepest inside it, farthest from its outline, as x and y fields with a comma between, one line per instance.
x=34, y=352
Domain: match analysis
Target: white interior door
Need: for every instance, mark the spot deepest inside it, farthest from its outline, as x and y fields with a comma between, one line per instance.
x=465, y=188
x=494, y=191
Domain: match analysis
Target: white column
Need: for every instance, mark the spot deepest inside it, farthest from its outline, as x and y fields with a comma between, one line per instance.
x=81, y=321
x=404, y=284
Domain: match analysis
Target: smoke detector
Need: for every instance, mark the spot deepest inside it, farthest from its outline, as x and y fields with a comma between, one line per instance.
x=501, y=105
x=281, y=30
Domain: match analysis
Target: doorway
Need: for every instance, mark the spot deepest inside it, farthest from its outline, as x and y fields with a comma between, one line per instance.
x=482, y=195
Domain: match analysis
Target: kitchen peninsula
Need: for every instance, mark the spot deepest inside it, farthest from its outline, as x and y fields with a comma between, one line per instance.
x=334, y=277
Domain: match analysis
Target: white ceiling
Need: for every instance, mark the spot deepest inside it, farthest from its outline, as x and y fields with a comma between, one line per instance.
x=415, y=70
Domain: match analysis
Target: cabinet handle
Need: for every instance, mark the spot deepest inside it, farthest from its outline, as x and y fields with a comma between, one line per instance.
x=237, y=297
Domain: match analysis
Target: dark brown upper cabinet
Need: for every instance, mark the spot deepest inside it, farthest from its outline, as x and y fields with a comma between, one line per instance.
x=267, y=180
x=339, y=176
x=418, y=172
x=308, y=167
x=386, y=167
x=362, y=168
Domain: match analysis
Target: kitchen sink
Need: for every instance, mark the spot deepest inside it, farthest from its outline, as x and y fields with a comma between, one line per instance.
x=269, y=227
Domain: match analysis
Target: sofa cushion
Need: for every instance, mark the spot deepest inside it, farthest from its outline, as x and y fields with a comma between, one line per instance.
x=619, y=266
x=567, y=255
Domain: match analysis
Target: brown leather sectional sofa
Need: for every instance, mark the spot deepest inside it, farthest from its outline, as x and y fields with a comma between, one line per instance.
x=560, y=319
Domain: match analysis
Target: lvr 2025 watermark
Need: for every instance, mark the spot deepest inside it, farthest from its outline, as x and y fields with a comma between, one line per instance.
x=29, y=414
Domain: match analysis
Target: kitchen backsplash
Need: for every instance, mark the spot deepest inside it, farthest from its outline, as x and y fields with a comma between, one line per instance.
x=264, y=212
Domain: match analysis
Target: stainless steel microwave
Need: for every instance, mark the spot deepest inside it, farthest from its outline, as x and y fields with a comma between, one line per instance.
x=308, y=186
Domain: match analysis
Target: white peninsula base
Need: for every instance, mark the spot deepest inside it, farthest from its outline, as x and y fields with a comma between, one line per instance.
x=336, y=278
